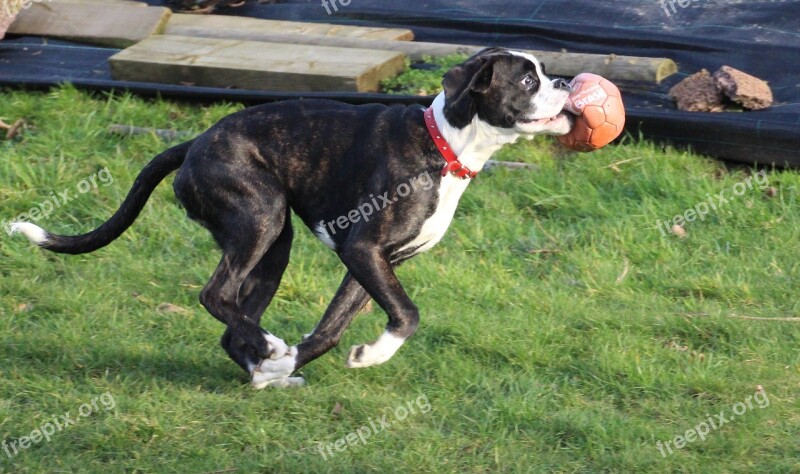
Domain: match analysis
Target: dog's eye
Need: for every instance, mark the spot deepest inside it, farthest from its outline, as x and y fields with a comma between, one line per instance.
x=528, y=81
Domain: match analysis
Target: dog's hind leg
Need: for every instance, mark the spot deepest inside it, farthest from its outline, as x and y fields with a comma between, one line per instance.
x=251, y=225
x=256, y=294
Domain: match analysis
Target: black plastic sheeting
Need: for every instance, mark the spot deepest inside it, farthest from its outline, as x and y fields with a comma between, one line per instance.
x=758, y=37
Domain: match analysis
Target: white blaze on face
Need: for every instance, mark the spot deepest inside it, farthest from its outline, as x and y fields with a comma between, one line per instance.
x=548, y=100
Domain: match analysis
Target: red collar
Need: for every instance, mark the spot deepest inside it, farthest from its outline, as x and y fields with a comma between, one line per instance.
x=453, y=165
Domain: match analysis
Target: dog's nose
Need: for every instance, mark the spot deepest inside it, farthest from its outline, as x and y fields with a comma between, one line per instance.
x=561, y=84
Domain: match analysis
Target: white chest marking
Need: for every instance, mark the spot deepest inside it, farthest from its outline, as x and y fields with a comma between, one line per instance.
x=434, y=228
x=324, y=236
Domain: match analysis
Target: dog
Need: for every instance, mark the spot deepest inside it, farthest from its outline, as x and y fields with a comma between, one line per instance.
x=329, y=163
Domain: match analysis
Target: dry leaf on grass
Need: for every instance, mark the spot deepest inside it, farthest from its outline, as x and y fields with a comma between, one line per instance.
x=171, y=308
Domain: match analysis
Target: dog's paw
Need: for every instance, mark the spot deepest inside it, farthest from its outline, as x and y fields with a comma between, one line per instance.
x=285, y=382
x=378, y=352
x=275, y=371
x=276, y=347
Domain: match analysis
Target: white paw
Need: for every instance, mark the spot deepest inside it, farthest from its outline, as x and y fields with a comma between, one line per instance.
x=286, y=382
x=376, y=353
x=276, y=345
x=275, y=372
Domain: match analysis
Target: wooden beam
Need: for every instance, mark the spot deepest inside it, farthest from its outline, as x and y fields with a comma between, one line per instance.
x=254, y=65
x=610, y=66
x=115, y=24
x=5, y=21
x=253, y=29
x=130, y=3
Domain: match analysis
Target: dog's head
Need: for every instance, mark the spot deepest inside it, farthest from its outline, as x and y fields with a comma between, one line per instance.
x=507, y=90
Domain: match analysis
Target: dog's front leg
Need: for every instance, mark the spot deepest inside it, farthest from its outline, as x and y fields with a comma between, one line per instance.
x=373, y=270
x=349, y=299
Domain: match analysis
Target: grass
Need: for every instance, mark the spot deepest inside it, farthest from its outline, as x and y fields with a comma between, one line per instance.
x=422, y=77
x=561, y=331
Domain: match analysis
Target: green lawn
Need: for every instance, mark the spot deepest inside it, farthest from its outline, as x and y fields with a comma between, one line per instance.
x=561, y=330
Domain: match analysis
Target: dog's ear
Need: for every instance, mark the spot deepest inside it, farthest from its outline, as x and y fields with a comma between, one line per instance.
x=490, y=51
x=462, y=81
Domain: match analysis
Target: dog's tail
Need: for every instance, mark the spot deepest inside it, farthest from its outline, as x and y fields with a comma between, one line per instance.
x=145, y=183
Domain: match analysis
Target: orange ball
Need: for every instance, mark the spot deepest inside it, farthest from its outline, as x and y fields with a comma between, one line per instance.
x=600, y=115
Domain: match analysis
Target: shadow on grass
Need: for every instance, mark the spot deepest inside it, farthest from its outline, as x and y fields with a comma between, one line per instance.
x=201, y=369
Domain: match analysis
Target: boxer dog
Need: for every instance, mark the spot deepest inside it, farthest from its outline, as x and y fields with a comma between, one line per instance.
x=377, y=184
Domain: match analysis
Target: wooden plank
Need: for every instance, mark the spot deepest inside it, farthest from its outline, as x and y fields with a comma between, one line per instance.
x=115, y=24
x=5, y=21
x=106, y=2
x=610, y=66
x=254, y=65
x=252, y=29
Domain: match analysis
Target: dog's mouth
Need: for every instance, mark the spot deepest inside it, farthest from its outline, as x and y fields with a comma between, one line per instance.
x=544, y=121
